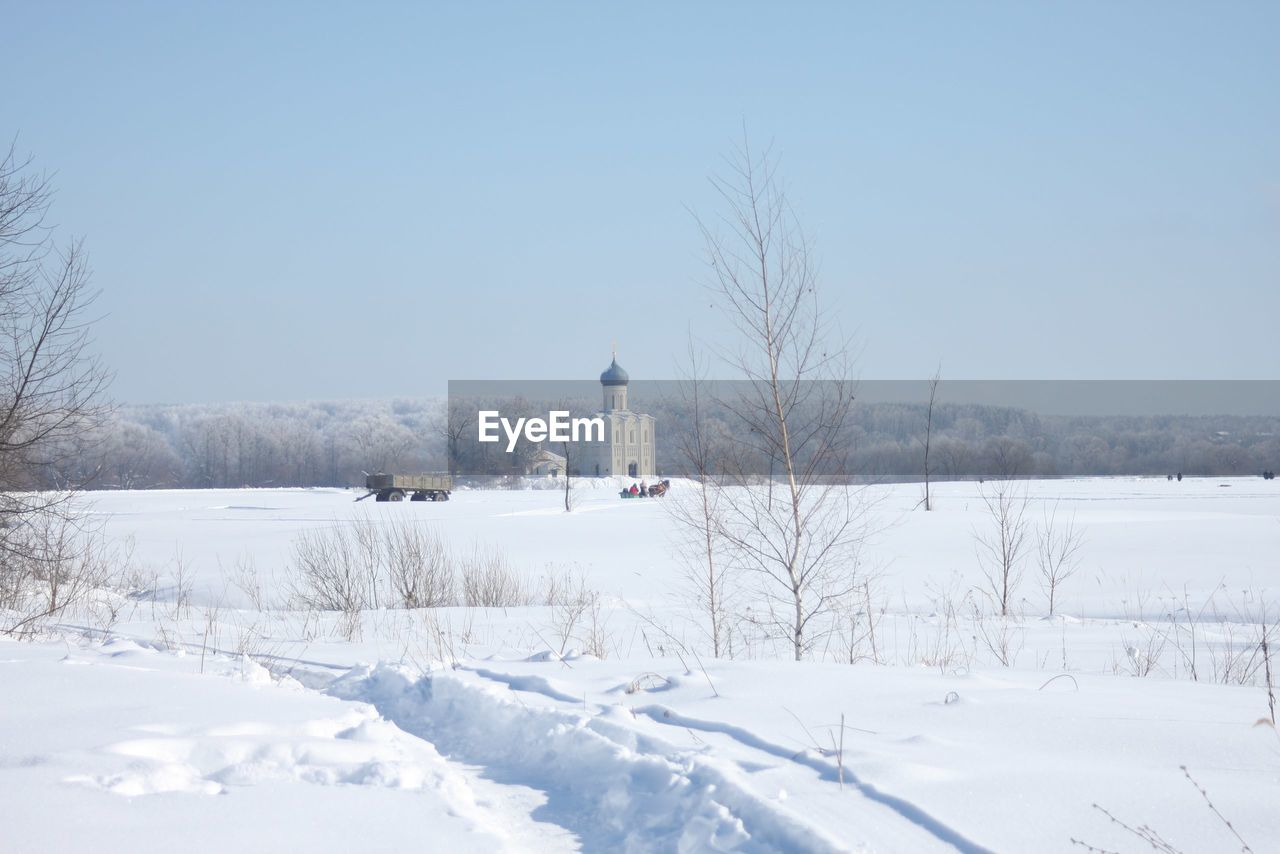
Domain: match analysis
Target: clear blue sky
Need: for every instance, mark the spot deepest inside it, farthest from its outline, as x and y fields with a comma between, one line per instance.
x=289, y=201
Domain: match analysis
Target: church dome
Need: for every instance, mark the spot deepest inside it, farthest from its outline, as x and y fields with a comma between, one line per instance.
x=614, y=375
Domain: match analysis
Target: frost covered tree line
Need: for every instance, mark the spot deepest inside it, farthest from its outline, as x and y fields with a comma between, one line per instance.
x=257, y=444
x=332, y=443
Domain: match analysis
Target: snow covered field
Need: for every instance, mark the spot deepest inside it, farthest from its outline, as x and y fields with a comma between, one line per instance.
x=204, y=712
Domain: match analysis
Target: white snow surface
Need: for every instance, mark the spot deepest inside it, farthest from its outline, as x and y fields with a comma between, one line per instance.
x=198, y=722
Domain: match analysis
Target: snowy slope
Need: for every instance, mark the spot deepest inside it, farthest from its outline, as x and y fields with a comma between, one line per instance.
x=122, y=748
x=211, y=724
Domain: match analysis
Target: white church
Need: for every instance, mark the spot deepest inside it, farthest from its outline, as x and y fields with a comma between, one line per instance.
x=629, y=448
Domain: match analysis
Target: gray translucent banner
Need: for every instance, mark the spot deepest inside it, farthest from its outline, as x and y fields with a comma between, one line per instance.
x=871, y=429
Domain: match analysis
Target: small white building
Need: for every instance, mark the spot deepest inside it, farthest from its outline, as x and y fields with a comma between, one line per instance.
x=547, y=464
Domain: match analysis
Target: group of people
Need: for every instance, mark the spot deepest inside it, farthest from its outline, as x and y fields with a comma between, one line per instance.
x=642, y=490
x=646, y=491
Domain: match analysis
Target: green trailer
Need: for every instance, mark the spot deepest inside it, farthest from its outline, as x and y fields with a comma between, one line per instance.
x=419, y=487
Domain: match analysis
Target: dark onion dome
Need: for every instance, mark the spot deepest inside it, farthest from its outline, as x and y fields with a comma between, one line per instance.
x=614, y=375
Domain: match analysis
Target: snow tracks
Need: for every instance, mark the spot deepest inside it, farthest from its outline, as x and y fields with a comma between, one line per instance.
x=605, y=780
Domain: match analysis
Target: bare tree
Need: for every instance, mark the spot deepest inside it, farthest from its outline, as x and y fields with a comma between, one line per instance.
x=51, y=385
x=1007, y=457
x=1269, y=629
x=328, y=574
x=698, y=513
x=489, y=581
x=956, y=455
x=458, y=420
x=800, y=528
x=61, y=565
x=381, y=444
x=1058, y=547
x=419, y=566
x=928, y=433
x=1002, y=548
x=569, y=449
x=568, y=477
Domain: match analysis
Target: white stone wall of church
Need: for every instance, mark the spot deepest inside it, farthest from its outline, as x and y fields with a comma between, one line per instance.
x=629, y=438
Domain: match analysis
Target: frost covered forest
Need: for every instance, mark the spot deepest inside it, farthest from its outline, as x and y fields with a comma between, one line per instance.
x=331, y=443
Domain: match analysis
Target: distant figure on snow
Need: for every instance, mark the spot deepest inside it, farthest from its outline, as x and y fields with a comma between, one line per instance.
x=635, y=490
x=1179, y=477
x=644, y=489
